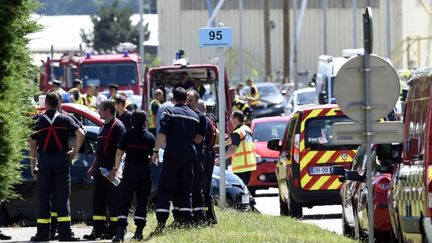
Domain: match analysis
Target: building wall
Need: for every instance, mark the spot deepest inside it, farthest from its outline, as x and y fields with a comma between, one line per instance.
x=180, y=20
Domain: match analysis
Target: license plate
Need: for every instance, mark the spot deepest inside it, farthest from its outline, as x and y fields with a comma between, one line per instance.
x=245, y=199
x=320, y=170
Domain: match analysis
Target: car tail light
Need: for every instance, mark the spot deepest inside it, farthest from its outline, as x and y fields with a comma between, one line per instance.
x=296, y=149
x=429, y=190
x=382, y=185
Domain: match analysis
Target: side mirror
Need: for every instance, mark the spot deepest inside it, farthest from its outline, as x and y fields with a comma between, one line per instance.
x=353, y=175
x=322, y=97
x=274, y=145
x=338, y=170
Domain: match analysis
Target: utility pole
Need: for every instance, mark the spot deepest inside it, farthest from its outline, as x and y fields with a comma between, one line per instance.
x=267, y=48
x=241, y=59
x=286, y=42
x=325, y=7
x=141, y=36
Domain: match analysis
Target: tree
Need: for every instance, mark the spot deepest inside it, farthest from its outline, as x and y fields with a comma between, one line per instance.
x=112, y=26
x=16, y=74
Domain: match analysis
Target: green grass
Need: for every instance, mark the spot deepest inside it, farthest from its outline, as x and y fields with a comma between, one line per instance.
x=244, y=227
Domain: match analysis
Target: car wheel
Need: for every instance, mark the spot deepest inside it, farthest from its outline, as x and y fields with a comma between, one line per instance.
x=346, y=229
x=283, y=207
x=294, y=209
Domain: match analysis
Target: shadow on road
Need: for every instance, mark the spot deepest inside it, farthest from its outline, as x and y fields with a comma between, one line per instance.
x=322, y=216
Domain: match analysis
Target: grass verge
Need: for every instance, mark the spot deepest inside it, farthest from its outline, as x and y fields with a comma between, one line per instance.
x=244, y=227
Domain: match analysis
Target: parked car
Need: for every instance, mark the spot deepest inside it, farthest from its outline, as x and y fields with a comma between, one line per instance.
x=87, y=116
x=263, y=130
x=354, y=192
x=272, y=102
x=238, y=195
x=410, y=197
x=301, y=97
x=306, y=156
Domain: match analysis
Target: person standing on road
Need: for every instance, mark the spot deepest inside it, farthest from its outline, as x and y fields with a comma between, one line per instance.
x=209, y=160
x=99, y=96
x=242, y=148
x=153, y=110
x=167, y=104
x=198, y=205
x=89, y=99
x=75, y=92
x=253, y=96
x=238, y=104
x=178, y=127
x=105, y=194
x=138, y=143
x=123, y=115
x=50, y=143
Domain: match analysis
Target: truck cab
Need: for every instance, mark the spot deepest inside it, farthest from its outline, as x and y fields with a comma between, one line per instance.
x=204, y=76
x=328, y=67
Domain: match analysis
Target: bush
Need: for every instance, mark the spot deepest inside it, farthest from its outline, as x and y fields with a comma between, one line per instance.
x=16, y=86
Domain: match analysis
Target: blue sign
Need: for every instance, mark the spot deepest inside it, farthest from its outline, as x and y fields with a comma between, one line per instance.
x=215, y=37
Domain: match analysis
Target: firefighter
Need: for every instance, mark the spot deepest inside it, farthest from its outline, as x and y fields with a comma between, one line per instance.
x=50, y=142
x=198, y=206
x=105, y=194
x=122, y=114
x=178, y=128
x=209, y=159
x=242, y=148
x=138, y=143
x=238, y=104
x=56, y=87
x=89, y=99
x=75, y=92
x=253, y=95
x=184, y=83
x=153, y=110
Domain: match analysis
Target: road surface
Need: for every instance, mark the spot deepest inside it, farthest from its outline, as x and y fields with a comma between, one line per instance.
x=326, y=217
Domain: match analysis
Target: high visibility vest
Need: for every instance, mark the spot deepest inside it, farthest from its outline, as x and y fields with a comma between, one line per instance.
x=244, y=158
x=152, y=117
x=90, y=101
x=80, y=97
x=256, y=96
x=239, y=105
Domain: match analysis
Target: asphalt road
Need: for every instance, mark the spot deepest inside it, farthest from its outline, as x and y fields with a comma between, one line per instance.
x=326, y=217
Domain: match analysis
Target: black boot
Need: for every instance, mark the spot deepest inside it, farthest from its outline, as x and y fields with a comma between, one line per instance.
x=93, y=236
x=119, y=237
x=69, y=238
x=4, y=237
x=158, y=231
x=138, y=234
x=42, y=233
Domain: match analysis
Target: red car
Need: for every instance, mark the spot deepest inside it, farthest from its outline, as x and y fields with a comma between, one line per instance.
x=354, y=193
x=87, y=116
x=263, y=130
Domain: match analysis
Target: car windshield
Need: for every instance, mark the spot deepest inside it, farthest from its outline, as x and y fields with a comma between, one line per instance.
x=268, y=91
x=305, y=98
x=103, y=74
x=319, y=133
x=266, y=131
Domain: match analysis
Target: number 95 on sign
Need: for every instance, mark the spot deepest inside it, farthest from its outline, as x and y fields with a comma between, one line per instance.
x=215, y=37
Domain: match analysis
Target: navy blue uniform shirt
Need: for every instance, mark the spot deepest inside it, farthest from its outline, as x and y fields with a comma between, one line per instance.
x=126, y=119
x=64, y=127
x=107, y=143
x=138, y=143
x=179, y=124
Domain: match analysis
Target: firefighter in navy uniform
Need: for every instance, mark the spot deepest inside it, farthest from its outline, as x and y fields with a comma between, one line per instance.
x=209, y=159
x=122, y=114
x=50, y=143
x=178, y=127
x=138, y=143
x=198, y=207
x=105, y=194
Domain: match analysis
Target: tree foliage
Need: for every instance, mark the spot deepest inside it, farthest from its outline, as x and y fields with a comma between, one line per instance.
x=112, y=26
x=16, y=73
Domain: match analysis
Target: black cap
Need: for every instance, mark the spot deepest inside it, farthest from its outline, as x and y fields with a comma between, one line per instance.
x=115, y=86
x=56, y=82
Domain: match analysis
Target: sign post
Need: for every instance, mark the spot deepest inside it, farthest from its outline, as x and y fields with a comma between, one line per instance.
x=219, y=37
x=366, y=89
